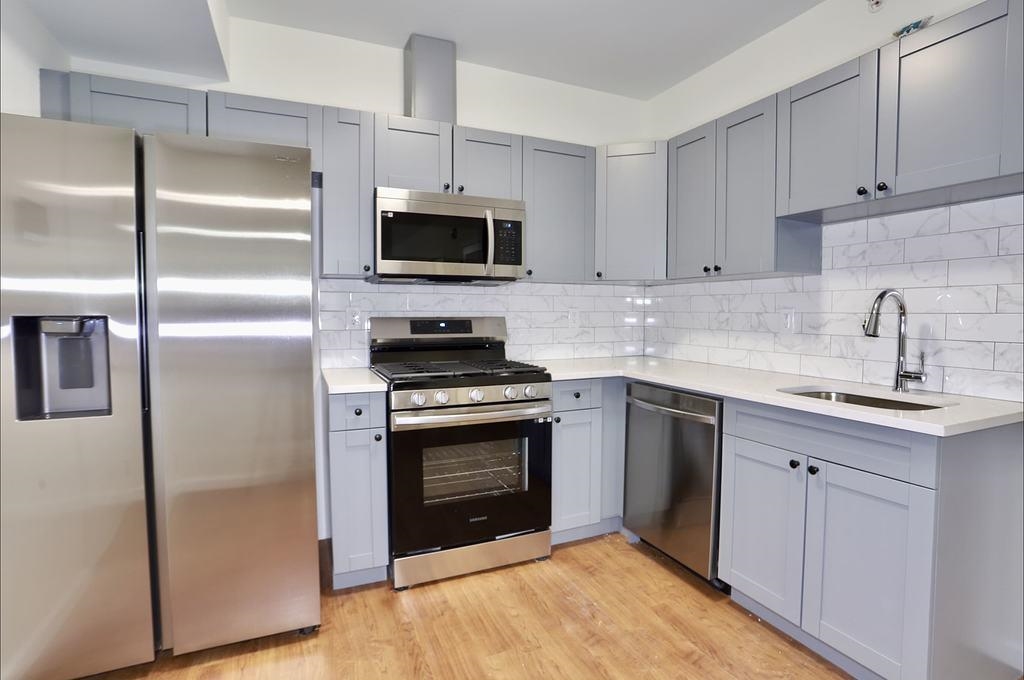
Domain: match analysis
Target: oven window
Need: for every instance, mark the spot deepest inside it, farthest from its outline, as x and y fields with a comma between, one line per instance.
x=460, y=471
x=419, y=237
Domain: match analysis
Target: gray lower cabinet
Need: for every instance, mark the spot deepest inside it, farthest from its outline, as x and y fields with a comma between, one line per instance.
x=630, y=214
x=691, y=203
x=411, y=153
x=949, y=103
x=125, y=103
x=486, y=163
x=271, y=121
x=576, y=455
x=359, y=488
x=826, y=138
x=347, y=224
x=558, y=187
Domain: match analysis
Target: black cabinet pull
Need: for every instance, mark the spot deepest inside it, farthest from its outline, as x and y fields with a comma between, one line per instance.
x=707, y=269
x=599, y=275
x=718, y=268
x=862, y=191
x=529, y=272
x=812, y=469
x=576, y=394
x=557, y=419
x=447, y=186
x=461, y=188
x=359, y=411
x=794, y=463
x=366, y=267
x=377, y=437
x=882, y=186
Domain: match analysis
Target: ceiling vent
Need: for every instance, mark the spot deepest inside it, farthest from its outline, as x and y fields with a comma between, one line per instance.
x=430, y=78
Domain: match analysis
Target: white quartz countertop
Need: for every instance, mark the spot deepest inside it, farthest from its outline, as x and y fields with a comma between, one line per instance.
x=959, y=414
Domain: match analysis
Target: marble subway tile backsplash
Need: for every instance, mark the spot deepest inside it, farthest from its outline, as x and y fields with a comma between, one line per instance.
x=960, y=268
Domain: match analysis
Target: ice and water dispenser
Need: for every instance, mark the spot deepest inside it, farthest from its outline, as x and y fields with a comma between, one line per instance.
x=62, y=366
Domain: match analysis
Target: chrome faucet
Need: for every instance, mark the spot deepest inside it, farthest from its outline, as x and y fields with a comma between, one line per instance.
x=871, y=330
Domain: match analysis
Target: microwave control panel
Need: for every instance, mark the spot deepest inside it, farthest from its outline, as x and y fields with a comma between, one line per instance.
x=508, y=242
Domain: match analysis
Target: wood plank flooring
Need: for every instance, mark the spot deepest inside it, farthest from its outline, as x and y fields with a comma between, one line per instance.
x=597, y=609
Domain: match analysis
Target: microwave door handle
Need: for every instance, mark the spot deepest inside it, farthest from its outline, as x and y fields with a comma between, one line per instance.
x=489, y=267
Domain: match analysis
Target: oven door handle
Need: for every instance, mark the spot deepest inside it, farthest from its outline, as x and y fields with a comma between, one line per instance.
x=419, y=420
x=489, y=267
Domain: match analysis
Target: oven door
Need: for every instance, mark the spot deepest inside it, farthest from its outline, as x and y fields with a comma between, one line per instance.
x=464, y=475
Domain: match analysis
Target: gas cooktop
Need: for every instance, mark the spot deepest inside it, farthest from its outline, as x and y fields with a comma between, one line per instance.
x=416, y=370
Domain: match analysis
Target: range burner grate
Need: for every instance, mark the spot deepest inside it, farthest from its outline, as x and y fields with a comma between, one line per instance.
x=404, y=370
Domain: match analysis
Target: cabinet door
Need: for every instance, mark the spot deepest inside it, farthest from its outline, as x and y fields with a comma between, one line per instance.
x=347, y=223
x=359, y=499
x=271, y=121
x=576, y=469
x=745, y=189
x=487, y=163
x=868, y=569
x=631, y=222
x=826, y=138
x=965, y=125
x=558, y=187
x=761, y=534
x=409, y=153
x=147, y=108
x=691, y=202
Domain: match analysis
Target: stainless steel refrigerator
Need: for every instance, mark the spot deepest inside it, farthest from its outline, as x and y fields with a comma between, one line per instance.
x=156, y=396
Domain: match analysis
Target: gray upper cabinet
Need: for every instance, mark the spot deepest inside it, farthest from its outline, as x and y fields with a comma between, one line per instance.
x=147, y=108
x=745, y=190
x=558, y=187
x=949, y=103
x=486, y=163
x=347, y=225
x=272, y=121
x=410, y=153
x=826, y=138
x=630, y=213
x=691, y=202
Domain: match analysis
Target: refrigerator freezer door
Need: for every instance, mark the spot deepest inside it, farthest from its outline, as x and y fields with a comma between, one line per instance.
x=230, y=329
x=74, y=553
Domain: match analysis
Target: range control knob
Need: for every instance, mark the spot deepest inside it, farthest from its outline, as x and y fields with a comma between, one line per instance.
x=441, y=397
x=530, y=391
x=418, y=398
x=511, y=392
x=476, y=394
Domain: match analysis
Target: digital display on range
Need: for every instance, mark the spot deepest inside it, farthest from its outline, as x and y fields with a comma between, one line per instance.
x=440, y=326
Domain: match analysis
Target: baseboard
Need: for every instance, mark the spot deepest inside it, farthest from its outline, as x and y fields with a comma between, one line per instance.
x=605, y=526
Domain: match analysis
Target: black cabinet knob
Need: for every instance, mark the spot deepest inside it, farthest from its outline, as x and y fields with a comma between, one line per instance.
x=718, y=268
x=599, y=275
x=529, y=272
x=707, y=269
x=576, y=394
x=812, y=469
x=447, y=186
x=461, y=188
x=861, y=191
x=557, y=419
x=882, y=186
x=366, y=267
x=794, y=463
x=358, y=411
x=377, y=437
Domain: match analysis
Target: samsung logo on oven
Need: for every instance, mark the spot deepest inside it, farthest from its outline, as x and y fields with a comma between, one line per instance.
x=481, y=518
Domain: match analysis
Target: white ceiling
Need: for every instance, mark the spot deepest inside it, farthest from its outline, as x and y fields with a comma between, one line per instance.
x=167, y=35
x=636, y=48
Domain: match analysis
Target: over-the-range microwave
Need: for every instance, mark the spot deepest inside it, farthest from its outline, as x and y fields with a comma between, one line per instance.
x=422, y=235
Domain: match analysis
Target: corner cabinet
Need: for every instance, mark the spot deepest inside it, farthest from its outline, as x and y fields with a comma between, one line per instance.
x=965, y=125
x=411, y=153
x=691, y=203
x=558, y=187
x=630, y=213
x=826, y=138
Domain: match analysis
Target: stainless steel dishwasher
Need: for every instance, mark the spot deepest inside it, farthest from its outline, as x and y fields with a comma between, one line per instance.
x=673, y=452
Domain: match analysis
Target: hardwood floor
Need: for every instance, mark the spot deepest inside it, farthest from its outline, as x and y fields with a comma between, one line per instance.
x=597, y=609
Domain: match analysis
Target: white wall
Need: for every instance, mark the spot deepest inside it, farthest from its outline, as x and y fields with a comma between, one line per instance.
x=825, y=36
x=25, y=47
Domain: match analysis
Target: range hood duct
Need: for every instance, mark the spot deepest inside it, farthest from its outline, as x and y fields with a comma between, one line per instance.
x=430, y=78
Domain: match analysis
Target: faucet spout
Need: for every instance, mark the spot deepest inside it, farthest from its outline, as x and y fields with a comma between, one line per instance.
x=871, y=330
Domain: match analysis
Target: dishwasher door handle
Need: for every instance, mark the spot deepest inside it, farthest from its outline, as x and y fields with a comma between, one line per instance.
x=675, y=413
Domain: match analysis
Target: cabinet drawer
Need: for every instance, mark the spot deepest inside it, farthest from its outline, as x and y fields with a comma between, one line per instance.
x=907, y=456
x=357, y=411
x=572, y=395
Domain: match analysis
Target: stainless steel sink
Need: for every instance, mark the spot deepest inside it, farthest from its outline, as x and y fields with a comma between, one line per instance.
x=858, y=399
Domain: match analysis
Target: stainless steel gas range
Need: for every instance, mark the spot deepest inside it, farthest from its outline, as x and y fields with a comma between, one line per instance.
x=469, y=447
